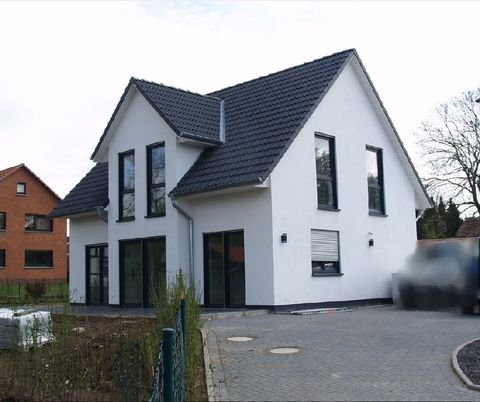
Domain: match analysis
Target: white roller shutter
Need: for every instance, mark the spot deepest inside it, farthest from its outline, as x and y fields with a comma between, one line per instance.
x=324, y=245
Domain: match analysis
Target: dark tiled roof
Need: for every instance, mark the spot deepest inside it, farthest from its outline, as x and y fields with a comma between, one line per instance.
x=470, y=228
x=89, y=193
x=188, y=114
x=262, y=118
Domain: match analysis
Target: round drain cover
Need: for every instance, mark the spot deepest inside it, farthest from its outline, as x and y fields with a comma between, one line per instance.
x=284, y=350
x=240, y=338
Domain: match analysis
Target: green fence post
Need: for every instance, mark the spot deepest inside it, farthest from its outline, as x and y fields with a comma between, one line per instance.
x=167, y=350
x=183, y=318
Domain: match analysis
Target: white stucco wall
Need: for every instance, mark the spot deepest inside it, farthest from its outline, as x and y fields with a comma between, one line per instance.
x=84, y=231
x=346, y=114
x=249, y=211
x=137, y=128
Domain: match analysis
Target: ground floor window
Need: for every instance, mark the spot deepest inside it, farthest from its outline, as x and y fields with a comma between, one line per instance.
x=38, y=258
x=325, y=252
x=224, y=269
x=142, y=270
x=97, y=274
x=2, y=258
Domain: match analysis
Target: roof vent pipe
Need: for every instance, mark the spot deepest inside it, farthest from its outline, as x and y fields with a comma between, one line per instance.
x=190, y=232
x=222, y=121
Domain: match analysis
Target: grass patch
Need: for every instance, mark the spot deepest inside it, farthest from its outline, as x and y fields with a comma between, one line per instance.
x=18, y=293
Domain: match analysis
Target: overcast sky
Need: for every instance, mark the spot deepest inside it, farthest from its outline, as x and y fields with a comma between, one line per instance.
x=64, y=65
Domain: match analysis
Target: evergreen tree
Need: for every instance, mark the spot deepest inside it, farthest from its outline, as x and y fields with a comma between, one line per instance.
x=452, y=218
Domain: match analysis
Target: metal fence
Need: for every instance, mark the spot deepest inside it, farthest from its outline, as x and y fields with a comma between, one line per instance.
x=169, y=377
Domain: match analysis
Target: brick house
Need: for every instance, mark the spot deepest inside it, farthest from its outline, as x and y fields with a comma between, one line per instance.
x=32, y=246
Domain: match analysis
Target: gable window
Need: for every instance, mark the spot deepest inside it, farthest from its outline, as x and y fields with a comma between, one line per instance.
x=38, y=223
x=21, y=188
x=127, y=185
x=376, y=199
x=38, y=258
x=325, y=252
x=2, y=258
x=156, y=180
x=326, y=174
x=3, y=221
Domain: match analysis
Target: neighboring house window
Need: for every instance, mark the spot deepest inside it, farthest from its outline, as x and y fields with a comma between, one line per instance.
x=376, y=199
x=38, y=258
x=326, y=175
x=156, y=180
x=127, y=185
x=325, y=252
x=38, y=223
x=3, y=221
x=2, y=258
x=21, y=188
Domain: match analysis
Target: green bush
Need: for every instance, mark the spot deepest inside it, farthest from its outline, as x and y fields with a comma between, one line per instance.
x=36, y=289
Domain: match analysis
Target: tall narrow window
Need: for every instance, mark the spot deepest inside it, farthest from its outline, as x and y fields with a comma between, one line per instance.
x=127, y=185
x=3, y=221
x=376, y=199
x=156, y=180
x=326, y=175
x=325, y=252
x=2, y=258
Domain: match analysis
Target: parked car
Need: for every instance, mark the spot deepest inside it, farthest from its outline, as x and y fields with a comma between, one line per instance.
x=442, y=274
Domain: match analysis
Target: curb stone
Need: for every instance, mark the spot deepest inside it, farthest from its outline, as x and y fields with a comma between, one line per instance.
x=214, y=374
x=459, y=371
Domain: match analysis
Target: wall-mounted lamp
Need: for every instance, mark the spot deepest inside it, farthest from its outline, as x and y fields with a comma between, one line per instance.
x=370, y=239
x=283, y=237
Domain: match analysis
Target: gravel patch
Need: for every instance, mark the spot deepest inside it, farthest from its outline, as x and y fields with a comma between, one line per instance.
x=469, y=361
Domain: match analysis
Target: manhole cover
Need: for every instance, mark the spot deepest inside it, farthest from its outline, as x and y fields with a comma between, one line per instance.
x=240, y=338
x=284, y=350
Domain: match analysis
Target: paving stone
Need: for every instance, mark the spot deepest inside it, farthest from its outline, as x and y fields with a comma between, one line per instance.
x=367, y=354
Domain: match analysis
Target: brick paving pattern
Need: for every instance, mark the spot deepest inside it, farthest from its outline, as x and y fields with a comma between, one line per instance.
x=366, y=354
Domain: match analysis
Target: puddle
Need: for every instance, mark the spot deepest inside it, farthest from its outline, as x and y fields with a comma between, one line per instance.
x=240, y=338
x=284, y=350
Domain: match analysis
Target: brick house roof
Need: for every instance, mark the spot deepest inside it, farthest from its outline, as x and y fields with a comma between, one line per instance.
x=470, y=228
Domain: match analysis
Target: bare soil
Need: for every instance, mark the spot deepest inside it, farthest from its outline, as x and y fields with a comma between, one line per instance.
x=95, y=350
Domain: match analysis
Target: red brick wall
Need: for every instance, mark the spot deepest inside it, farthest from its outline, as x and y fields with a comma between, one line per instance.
x=15, y=240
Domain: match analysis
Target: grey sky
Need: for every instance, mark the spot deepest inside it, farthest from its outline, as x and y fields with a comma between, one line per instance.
x=64, y=65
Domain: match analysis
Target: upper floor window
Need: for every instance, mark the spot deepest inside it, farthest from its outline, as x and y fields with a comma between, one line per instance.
x=127, y=185
x=21, y=188
x=326, y=174
x=156, y=180
x=376, y=199
x=38, y=223
x=3, y=221
x=2, y=258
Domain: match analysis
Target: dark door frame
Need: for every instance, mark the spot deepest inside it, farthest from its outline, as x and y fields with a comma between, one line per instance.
x=226, y=270
x=102, y=247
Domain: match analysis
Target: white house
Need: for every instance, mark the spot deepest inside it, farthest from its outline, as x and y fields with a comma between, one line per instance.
x=291, y=189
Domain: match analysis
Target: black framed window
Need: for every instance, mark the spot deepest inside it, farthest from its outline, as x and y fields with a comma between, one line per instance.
x=21, y=188
x=126, y=194
x=38, y=258
x=38, y=223
x=325, y=252
x=97, y=274
x=2, y=258
x=326, y=173
x=156, y=180
x=3, y=221
x=376, y=197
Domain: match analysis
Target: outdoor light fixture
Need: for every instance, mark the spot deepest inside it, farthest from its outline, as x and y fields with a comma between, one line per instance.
x=370, y=239
x=283, y=237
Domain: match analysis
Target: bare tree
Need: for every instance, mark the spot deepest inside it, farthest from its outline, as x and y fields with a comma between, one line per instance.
x=450, y=144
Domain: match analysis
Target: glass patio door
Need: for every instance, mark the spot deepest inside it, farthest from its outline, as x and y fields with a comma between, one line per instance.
x=224, y=269
x=97, y=275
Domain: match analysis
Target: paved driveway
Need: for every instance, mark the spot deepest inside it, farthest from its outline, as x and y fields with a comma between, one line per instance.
x=367, y=354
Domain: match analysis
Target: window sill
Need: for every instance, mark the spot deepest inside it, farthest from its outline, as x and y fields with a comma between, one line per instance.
x=325, y=208
x=38, y=231
x=155, y=216
x=329, y=274
x=128, y=219
x=378, y=214
x=38, y=267
x=21, y=195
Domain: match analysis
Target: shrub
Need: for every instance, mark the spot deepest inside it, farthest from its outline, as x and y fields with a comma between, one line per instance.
x=36, y=289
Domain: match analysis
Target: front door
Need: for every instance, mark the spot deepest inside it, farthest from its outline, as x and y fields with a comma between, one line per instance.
x=97, y=274
x=142, y=271
x=224, y=269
